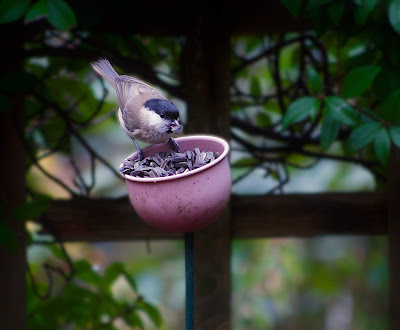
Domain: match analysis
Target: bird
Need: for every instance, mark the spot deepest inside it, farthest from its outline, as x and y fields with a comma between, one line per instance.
x=144, y=113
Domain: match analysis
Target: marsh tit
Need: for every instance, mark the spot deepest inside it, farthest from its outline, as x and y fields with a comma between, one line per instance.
x=144, y=113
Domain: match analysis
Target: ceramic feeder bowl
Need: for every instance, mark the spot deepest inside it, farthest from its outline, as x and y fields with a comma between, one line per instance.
x=184, y=202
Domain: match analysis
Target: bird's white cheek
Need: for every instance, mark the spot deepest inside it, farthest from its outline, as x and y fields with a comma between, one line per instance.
x=153, y=119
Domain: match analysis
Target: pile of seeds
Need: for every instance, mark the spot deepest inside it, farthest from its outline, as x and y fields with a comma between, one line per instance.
x=164, y=164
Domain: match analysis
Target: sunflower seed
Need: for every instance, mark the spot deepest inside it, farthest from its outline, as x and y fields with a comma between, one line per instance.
x=181, y=164
x=202, y=156
x=145, y=168
x=137, y=173
x=157, y=171
x=129, y=163
x=157, y=160
x=163, y=172
x=199, y=164
x=164, y=164
x=178, y=159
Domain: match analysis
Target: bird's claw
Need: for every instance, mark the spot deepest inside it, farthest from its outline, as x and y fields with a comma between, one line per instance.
x=140, y=154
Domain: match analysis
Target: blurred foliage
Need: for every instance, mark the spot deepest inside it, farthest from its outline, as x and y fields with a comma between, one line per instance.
x=331, y=91
x=338, y=81
x=84, y=298
x=320, y=283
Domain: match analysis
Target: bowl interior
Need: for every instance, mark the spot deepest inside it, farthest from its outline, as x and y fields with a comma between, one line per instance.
x=203, y=142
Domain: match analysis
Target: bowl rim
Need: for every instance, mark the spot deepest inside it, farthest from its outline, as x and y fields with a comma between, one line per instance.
x=189, y=173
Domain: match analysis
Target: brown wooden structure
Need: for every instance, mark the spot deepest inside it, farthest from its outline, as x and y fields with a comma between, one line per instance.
x=206, y=74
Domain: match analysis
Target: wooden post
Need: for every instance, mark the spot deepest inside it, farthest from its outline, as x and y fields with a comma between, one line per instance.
x=394, y=237
x=12, y=194
x=206, y=80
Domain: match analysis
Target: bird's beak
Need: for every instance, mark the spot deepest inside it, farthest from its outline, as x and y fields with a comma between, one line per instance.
x=175, y=126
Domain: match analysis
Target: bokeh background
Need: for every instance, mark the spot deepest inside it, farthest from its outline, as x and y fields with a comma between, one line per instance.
x=75, y=146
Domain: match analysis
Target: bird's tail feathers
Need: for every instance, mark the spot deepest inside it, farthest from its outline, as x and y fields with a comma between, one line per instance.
x=104, y=68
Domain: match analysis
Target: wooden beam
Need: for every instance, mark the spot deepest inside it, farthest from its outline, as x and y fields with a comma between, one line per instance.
x=303, y=215
x=296, y=215
x=84, y=219
x=394, y=237
x=175, y=17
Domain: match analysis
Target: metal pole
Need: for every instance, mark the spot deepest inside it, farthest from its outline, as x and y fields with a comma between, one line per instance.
x=189, y=280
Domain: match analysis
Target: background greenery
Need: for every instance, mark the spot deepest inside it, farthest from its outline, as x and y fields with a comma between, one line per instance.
x=312, y=110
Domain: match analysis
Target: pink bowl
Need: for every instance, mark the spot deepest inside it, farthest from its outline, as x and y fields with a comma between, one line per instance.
x=184, y=202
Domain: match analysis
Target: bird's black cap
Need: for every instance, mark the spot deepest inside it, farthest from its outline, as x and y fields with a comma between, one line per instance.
x=164, y=108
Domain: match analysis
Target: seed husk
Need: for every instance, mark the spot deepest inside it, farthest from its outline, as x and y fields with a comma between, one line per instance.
x=166, y=164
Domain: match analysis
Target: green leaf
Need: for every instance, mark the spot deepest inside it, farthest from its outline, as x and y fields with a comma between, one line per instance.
x=299, y=110
x=133, y=319
x=37, y=11
x=363, y=135
x=112, y=272
x=57, y=251
x=394, y=133
x=255, y=87
x=382, y=145
x=115, y=270
x=31, y=210
x=340, y=110
x=252, y=42
x=335, y=11
x=5, y=103
x=60, y=15
x=152, y=312
x=390, y=108
x=329, y=131
x=8, y=236
x=12, y=10
x=358, y=80
x=294, y=6
x=247, y=162
x=53, y=131
x=85, y=272
x=263, y=119
x=363, y=11
x=314, y=79
x=394, y=14
x=388, y=80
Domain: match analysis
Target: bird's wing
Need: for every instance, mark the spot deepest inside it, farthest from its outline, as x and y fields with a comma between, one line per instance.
x=127, y=88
